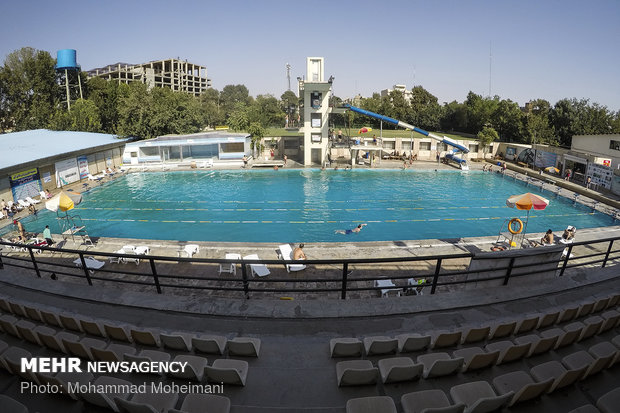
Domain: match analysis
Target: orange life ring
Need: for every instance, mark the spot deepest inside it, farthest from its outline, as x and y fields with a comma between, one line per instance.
x=519, y=228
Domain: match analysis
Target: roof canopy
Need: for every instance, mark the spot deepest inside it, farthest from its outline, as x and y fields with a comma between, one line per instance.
x=29, y=146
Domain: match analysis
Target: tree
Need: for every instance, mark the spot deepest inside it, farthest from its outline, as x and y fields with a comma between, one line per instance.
x=105, y=95
x=212, y=113
x=289, y=102
x=536, y=120
x=507, y=120
x=257, y=132
x=30, y=92
x=174, y=112
x=134, y=111
x=238, y=119
x=266, y=111
x=232, y=95
x=425, y=111
x=454, y=117
x=485, y=137
x=84, y=116
x=479, y=111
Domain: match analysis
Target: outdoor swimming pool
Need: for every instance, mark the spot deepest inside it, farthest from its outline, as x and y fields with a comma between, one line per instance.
x=309, y=205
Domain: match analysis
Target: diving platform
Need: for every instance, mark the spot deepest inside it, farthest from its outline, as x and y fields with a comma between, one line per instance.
x=268, y=164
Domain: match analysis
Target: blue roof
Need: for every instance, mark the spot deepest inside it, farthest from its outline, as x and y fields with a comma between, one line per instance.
x=28, y=146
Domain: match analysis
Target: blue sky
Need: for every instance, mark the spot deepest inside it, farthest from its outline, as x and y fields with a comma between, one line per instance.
x=540, y=49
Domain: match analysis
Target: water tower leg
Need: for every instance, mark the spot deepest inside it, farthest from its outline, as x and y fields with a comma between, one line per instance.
x=67, y=88
x=80, y=84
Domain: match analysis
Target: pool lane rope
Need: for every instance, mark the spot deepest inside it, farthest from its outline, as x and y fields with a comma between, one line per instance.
x=318, y=222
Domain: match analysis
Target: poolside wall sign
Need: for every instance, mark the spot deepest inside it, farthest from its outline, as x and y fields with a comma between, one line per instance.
x=25, y=183
x=83, y=166
x=67, y=172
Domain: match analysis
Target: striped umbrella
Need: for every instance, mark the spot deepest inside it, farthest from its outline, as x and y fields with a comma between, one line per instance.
x=63, y=201
x=527, y=201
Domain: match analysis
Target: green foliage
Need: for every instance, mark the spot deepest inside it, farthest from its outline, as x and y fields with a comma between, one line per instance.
x=486, y=136
x=29, y=89
x=425, y=111
x=258, y=132
x=239, y=120
x=212, y=113
x=572, y=117
x=233, y=95
x=84, y=116
x=105, y=95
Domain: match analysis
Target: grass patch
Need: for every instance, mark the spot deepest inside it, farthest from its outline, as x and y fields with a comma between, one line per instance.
x=387, y=133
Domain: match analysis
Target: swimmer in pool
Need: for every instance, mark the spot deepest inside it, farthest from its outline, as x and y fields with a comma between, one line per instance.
x=350, y=231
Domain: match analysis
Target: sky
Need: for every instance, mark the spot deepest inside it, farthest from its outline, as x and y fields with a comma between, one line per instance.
x=518, y=50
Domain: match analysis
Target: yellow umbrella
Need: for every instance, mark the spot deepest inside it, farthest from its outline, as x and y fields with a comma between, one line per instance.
x=63, y=201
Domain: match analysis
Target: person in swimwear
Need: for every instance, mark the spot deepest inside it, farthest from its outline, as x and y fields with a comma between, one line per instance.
x=350, y=231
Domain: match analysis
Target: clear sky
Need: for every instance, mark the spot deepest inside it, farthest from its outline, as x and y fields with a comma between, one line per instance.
x=548, y=49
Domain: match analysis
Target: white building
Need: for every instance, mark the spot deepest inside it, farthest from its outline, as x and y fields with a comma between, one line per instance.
x=316, y=92
x=398, y=88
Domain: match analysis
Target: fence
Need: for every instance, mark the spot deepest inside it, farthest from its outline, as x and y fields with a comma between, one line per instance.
x=163, y=271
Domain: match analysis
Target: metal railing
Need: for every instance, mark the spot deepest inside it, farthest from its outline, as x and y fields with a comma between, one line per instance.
x=163, y=271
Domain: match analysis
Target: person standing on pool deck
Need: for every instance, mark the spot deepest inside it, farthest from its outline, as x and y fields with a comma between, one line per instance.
x=47, y=234
x=350, y=231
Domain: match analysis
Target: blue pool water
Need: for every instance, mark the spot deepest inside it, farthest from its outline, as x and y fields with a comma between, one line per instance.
x=309, y=205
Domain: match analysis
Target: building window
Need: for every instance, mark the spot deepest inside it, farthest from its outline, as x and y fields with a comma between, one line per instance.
x=315, y=120
x=150, y=151
x=405, y=145
x=291, y=143
x=615, y=145
x=389, y=144
x=473, y=147
x=425, y=146
x=231, y=147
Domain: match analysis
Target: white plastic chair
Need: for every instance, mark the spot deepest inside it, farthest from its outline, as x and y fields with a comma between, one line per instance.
x=259, y=270
x=91, y=263
x=32, y=201
x=286, y=253
x=386, y=287
x=190, y=250
x=230, y=267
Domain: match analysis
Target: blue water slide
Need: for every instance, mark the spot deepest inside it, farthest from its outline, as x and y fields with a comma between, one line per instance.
x=387, y=119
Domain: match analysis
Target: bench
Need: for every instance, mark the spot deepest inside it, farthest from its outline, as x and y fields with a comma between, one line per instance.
x=523, y=164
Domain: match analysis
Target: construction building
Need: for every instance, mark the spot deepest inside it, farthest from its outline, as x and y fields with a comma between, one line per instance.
x=178, y=75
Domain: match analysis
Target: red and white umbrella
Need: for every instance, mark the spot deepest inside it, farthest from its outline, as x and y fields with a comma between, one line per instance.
x=527, y=201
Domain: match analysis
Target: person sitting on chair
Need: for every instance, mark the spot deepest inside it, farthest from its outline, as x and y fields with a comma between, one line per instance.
x=569, y=234
x=298, y=253
x=547, y=239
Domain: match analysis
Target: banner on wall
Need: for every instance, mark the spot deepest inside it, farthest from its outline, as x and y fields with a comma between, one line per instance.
x=83, y=166
x=545, y=159
x=67, y=172
x=25, y=183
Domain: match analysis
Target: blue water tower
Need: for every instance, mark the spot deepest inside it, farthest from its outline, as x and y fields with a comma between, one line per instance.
x=67, y=67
